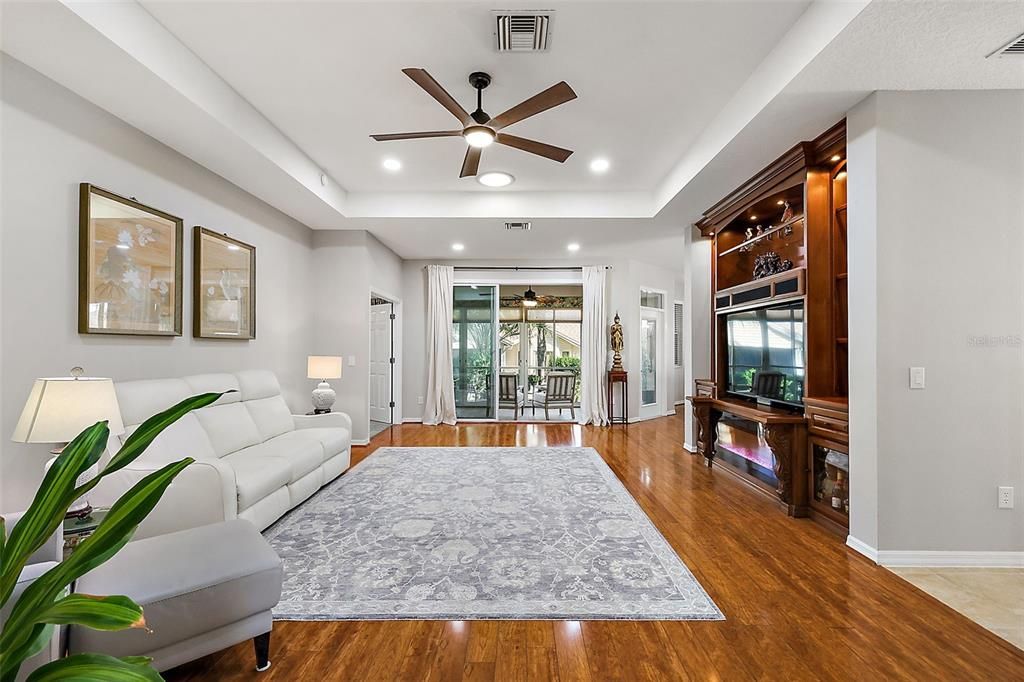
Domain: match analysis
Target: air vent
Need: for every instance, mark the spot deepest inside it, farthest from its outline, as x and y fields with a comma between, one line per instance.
x=1014, y=48
x=518, y=226
x=522, y=30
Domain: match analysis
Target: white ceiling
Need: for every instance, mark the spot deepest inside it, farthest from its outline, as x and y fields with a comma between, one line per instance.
x=650, y=77
x=687, y=99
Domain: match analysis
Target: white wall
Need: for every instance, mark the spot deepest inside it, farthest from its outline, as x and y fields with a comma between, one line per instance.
x=348, y=265
x=52, y=141
x=696, y=321
x=936, y=246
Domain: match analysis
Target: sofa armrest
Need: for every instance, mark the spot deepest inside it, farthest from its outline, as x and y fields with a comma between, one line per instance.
x=52, y=549
x=203, y=493
x=328, y=419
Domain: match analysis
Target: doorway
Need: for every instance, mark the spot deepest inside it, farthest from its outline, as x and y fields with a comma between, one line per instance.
x=382, y=364
x=652, y=353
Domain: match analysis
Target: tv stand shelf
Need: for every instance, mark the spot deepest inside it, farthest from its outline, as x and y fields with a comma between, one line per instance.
x=784, y=432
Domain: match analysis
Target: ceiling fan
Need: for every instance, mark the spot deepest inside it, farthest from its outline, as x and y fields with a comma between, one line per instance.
x=479, y=129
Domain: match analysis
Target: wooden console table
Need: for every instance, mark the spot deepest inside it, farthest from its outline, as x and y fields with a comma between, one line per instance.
x=784, y=432
x=618, y=377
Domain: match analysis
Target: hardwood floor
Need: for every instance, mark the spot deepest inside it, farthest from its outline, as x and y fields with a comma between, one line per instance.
x=799, y=605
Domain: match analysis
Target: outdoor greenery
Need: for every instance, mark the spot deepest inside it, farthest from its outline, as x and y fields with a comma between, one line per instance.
x=46, y=602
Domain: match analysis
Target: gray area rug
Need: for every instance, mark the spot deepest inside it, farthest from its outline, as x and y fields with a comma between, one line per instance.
x=480, y=533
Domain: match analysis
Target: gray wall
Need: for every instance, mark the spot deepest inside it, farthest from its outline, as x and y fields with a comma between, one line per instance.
x=52, y=141
x=936, y=246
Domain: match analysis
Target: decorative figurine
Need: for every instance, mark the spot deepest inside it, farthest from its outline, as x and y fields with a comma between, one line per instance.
x=787, y=212
x=616, y=334
x=770, y=264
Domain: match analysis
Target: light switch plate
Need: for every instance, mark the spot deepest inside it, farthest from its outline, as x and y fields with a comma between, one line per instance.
x=351, y=361
x=917, y=378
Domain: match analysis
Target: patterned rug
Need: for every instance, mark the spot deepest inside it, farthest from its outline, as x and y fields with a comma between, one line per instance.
x=480, y=533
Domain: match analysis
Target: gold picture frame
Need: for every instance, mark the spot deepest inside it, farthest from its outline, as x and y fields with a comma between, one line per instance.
x=223, y=286
x=129, y=266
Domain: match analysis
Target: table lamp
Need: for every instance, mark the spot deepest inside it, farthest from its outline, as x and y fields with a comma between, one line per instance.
x=323, y=367
x=60, y=408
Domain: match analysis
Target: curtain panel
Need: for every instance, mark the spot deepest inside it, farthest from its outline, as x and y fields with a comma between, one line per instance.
x=594, y=348
x=439, y=403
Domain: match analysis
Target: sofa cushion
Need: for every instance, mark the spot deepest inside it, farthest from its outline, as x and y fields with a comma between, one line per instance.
x=333, y=439
x=140, y=400
x=302, y=456
x=271, y=415
x=215, y=383
x=229, y=427
x=257, y=383
x=190, y=583
x=184, y=438
x=257, y=477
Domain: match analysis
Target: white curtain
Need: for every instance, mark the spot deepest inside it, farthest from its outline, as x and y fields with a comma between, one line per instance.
x=440, y=399
x=594, y=351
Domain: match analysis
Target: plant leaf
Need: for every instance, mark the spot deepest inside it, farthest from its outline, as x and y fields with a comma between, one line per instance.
x=112, y=533
x=99, y=613
x=46, y=513
x=38, y=639
x=152, y=427
x=95, y=667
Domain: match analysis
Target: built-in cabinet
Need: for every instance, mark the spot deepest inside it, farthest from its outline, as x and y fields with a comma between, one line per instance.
x=779, y=256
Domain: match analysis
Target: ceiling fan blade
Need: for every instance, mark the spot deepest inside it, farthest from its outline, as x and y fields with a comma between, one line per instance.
x=548, y=151
x=416, y=136
x=560, y=93
x=471, y=162
x=434, y=89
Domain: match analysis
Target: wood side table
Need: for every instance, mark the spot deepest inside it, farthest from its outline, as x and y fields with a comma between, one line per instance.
x=618, y=377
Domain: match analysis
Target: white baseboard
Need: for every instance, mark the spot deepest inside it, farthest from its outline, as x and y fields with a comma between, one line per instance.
x=862, y=548
x=680, y=402
x=931, y=559
x=362, y=441
x=692, y=449
x=412, y=420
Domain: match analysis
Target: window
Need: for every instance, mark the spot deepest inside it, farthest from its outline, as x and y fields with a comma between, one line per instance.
x=652, y=299
x=677, y=334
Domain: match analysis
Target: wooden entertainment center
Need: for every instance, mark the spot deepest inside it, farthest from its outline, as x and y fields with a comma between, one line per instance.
x=779, y=293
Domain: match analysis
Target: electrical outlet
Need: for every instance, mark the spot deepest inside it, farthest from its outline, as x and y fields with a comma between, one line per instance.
x=419, y=401
x=1005, y=497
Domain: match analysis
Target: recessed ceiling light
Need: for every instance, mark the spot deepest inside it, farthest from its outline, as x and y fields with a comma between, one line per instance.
x=781, y=202
x=753, y=217
x=458, y=247
x=478, y=136
x=573, y=247
x=495, y=179
x=599, y=165
x=836, y=157
x=391, y=164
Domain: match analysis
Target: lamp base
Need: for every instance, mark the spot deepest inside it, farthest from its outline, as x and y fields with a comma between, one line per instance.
x=323, y=398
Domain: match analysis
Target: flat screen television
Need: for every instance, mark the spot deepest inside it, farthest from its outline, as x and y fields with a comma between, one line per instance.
x=766, y=353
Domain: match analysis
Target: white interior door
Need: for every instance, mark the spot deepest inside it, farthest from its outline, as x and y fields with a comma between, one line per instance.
x=380, y=363
x=652, y=363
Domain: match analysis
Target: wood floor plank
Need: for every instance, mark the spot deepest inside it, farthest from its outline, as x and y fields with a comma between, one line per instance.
x=799, y=604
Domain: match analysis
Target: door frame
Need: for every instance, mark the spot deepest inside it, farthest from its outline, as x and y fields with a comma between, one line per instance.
x=396, y=353
x=664, y=341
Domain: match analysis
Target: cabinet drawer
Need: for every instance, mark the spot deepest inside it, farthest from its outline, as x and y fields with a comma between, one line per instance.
x=826, y=419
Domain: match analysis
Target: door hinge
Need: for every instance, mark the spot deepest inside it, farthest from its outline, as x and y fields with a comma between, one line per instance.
x=393, y=316
x=391, y=360
x=391, y=404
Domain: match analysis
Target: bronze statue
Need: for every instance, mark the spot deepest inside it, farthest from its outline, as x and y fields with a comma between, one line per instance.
x=616, y=333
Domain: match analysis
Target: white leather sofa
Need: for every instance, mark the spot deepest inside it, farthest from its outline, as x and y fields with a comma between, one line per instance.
x=254, y=459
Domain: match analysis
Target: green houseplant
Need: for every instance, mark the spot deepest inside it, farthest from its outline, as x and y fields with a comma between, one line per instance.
x=46, y=602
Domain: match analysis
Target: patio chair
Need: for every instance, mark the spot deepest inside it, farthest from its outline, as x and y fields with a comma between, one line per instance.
x=509, y=395
x=560, y=392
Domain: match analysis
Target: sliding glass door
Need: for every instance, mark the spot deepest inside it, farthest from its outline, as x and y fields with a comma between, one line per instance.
x=473, y=324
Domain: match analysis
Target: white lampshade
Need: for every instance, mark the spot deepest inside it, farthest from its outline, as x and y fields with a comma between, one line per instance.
x=58, y=409
x=323, y=367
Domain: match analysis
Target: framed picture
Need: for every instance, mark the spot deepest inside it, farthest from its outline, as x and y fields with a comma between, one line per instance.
x=224, y=286
x=129, y=266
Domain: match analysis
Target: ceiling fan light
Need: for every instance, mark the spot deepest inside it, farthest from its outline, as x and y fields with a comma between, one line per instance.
x=478, y=136
x=495, y=179
x=529, y=298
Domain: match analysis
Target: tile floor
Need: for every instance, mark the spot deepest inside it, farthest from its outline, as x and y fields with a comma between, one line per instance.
x=991, y=597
